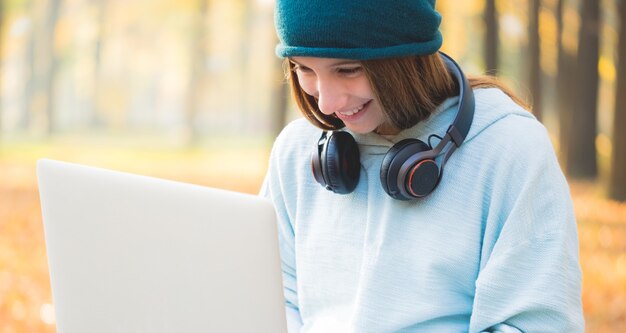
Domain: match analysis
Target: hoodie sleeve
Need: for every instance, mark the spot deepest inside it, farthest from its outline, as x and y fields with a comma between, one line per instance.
x=530, y=277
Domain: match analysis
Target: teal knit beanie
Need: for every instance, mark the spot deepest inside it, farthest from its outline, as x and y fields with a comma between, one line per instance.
x=357, y=29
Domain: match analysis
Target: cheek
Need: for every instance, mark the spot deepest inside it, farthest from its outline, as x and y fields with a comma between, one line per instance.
x=363, y=88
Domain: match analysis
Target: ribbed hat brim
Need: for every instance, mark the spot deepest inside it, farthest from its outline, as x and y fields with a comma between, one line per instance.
x=422, y=48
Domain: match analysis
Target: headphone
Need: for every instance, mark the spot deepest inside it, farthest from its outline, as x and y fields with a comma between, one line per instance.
x=409, y=169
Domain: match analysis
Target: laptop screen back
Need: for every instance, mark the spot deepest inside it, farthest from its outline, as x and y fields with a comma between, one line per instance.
x=130, y=253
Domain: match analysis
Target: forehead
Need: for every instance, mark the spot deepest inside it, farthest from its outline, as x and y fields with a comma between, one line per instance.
x=321, y=62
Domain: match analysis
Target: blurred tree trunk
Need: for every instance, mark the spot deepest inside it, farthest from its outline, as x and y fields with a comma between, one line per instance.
x=24, y=121
x=52, y=18
x=617, y=186
x=95, y=119
x=45, y=63
x=581, y=153
x=280, y=99
x=1, y=52
x=491, y=37
x=534, y=57
x=566, y=79
x=198, y=68
x=247, y=106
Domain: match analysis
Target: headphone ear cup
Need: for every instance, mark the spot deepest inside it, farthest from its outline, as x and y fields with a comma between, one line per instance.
x=340, y=162
x=392, y=162
x=335, y=162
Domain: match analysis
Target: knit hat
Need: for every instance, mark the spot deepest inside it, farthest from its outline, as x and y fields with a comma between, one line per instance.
x=357, y=29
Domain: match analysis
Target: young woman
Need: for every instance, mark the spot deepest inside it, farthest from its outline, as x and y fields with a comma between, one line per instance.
x=390, y=242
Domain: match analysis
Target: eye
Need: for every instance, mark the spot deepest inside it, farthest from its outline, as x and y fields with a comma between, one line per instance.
x=349, y=70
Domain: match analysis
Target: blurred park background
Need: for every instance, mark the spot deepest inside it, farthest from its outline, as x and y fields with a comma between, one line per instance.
x=190, y=90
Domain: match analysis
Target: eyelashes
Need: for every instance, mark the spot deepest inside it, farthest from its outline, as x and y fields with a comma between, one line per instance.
x=350, y=70
x=297, y=68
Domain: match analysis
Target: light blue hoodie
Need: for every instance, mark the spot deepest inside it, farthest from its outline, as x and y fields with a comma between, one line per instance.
x=494, y=248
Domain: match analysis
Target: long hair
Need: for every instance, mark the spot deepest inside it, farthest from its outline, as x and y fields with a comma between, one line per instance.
x=409, y=89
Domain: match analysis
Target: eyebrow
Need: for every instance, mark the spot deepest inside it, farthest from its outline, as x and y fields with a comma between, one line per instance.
x=295, y=62
x=338, y=63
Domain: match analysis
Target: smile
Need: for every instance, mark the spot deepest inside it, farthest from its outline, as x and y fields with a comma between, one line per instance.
x=352, y=112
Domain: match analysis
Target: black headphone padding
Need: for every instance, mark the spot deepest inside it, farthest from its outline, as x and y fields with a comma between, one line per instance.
x=316, y=166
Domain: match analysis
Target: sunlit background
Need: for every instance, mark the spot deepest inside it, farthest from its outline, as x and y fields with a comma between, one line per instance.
x=190, y=90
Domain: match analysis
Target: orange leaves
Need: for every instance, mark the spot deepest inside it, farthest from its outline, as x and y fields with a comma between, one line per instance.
x=25, y=297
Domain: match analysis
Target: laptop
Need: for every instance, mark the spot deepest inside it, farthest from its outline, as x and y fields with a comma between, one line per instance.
x=130, y=253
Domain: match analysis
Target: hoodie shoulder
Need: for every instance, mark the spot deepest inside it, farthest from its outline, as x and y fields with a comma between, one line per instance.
x=506, y=130
x=492, y=107
x=297, y=137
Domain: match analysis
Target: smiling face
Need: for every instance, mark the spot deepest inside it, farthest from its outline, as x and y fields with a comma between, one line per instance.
x=341, y=88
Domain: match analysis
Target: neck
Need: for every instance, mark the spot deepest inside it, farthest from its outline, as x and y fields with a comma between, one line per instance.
x=386, y=130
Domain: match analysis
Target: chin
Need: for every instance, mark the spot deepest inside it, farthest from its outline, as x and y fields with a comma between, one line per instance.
x=361, y=130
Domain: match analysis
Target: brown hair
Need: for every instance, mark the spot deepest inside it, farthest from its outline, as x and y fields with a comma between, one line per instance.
x=408, y=89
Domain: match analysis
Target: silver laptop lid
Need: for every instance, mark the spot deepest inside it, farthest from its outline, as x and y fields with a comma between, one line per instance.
x=130, y=253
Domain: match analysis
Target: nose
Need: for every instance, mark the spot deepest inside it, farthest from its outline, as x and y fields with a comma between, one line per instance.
x=331, y=97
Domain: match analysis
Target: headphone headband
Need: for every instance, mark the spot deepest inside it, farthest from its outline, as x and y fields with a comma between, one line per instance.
x=410, y=169
x=463, y=121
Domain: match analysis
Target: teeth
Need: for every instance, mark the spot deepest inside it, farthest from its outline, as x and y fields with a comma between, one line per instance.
x=352, y=112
